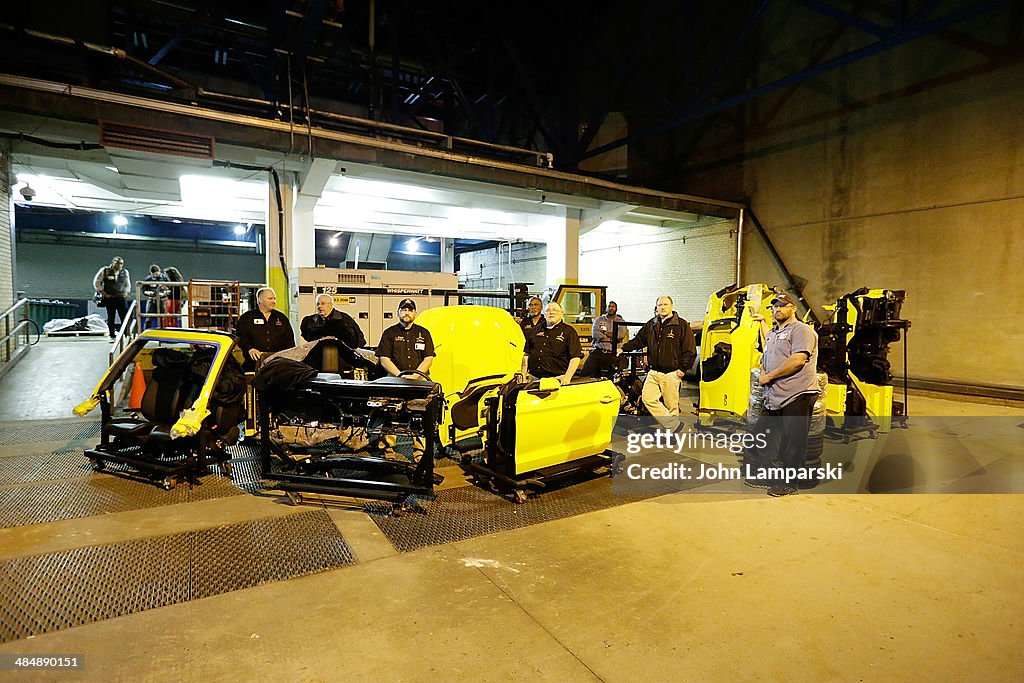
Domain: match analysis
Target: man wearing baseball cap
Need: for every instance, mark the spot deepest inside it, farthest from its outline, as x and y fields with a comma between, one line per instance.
x=403, y=347
x=788, y=369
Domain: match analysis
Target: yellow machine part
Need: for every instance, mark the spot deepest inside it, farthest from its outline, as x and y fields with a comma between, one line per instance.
x=560, y=426
x=471, y=342
x=728, y=395
x=877, y=397
x=835, y=400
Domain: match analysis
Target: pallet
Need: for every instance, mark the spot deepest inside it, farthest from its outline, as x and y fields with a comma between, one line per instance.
x=78, y=333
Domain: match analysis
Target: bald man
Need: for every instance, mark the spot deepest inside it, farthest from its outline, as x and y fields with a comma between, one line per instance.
x=330, y=322
x=263, y=329
x=553, y=350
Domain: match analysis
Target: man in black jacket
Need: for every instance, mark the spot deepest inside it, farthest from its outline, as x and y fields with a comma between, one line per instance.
x=671, y=350
x=330, y=322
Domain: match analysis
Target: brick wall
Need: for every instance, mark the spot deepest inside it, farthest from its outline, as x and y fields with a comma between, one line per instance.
x=637, y=266
x=479, y=269
x=686, y=264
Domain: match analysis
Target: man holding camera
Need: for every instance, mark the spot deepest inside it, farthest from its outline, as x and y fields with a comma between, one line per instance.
x=113, y=284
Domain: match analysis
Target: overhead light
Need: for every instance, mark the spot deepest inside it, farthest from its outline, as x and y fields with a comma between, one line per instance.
x=333, y=241
x=120, y=221
x=413, y=246
x=176, y=220
x=239, y=230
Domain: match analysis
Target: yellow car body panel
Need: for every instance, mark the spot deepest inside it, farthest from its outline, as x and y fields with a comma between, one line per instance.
x=471, y=343
x=728, y=395
x=480, y=349
x=572, y=422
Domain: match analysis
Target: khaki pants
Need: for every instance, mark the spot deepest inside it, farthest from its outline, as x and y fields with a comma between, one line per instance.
x=661, y=397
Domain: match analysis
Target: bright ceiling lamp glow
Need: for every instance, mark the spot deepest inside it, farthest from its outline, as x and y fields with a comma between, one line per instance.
x=239, y=230
x=333, y=241
x=413, y=246
x=494, y=216
x=380, y=188
x=221, y=198
x=120, y=221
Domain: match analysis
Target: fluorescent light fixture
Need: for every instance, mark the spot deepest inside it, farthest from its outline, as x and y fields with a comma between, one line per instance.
x=219, y=198
x=120, y=221
x=176, y=220
x=239, y=230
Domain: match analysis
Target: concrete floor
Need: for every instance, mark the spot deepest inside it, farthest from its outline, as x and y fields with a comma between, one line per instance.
x=681, y=587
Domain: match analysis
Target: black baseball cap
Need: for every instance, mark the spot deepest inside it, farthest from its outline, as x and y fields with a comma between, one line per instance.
x=783, y=299
x=407, y=303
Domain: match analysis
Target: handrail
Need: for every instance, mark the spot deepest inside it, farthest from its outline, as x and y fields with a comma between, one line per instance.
x=10, y=352
x=13, y=333
x=128, y=330
x=16, y=306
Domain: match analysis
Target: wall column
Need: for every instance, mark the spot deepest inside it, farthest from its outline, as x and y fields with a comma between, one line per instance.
x=563, y=253
x=447, y=254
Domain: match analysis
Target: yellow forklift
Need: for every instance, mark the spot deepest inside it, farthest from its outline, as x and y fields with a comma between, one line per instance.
x=581, y=305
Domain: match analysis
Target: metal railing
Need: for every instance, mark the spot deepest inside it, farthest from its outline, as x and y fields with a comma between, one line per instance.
x=125, y=335
x=11, y=348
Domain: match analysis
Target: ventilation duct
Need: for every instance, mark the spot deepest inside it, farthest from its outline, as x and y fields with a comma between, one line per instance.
x=156, y=141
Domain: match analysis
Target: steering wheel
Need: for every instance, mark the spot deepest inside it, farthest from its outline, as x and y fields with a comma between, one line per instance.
x=403, y=373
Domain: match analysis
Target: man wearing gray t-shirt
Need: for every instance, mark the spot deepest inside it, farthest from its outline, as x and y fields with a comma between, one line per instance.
x=788, y=375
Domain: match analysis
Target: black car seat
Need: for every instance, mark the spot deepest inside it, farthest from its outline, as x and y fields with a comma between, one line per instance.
x=162, y=401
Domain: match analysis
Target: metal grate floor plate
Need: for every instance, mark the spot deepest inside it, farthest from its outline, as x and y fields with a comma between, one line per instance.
x=467, y=512
x=99, y=495
x=46, y=430
x=44, y=593
x=65, y=464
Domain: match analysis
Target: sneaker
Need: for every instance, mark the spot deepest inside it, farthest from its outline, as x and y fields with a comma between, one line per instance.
x=779, y=490
x=757, y=483
x=111, y=340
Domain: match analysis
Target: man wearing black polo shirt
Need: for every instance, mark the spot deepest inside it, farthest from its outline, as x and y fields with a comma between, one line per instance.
x=553, y=350
x=534, y=319
x=263, y=329
x=405, y=346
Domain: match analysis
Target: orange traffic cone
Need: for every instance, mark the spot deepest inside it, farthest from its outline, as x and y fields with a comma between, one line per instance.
x=138, y=388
